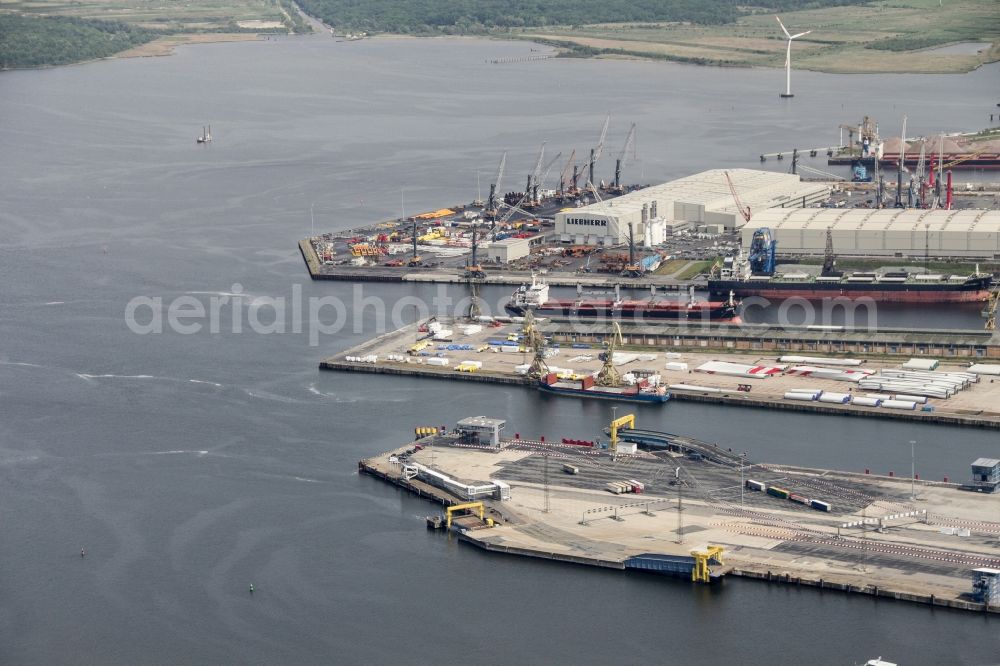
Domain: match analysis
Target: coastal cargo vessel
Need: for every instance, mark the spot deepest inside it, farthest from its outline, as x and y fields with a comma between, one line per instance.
x=536, y=298
x=899, y=287
x=755, y=275
x=586, y=388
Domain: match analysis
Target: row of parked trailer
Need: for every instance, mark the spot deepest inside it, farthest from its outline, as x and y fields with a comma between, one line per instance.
x=782, y=493
x=621, y=487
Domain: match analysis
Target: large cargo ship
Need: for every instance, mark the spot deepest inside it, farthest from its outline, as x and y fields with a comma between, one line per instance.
x=536, y=298
x=890, y=287
x=586, y=388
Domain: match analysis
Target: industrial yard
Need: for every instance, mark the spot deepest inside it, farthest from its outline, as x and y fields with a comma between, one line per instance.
x=703, y=511
x=834, y=383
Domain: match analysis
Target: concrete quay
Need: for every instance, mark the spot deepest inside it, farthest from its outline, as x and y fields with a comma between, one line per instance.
x=903, y=553
x=977, y=406
x=318, y=271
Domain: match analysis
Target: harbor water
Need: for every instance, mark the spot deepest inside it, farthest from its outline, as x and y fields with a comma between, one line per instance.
x=189, y=467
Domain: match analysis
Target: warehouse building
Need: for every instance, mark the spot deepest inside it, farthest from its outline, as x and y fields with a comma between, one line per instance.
x=508, y=250
x=887, y=232
x=702, y=202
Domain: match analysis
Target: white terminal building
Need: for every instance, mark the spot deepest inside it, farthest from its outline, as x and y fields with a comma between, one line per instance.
x=701, y=202
x=887, y=232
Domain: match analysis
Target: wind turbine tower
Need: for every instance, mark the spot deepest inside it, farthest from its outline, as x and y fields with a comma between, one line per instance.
x=788, y=58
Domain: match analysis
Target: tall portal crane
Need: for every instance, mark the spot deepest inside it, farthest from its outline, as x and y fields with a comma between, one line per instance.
x=536, y=198
x=491, y=202
x=473, y=270
x=564, y=180
x=899, y=172
x=609, y=375
x=534, y=341
x=629, y=142
x=595, y=153
x=533, y=175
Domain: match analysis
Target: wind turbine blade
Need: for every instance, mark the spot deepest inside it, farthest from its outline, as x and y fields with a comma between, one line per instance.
x=801, y=34
x=783, y=27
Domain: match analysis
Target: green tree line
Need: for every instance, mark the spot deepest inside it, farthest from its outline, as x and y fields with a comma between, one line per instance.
x=475, y=16
x=29, y=41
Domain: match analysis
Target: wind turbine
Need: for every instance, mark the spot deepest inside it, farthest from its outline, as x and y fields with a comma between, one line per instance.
x=788, y=58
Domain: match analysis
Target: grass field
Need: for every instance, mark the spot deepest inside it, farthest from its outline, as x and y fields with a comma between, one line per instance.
x=175, y=22
x=877, y=37
x=670, y=267
x=696, y=268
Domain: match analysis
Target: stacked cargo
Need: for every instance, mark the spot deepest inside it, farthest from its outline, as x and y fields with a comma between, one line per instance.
x=916, y=384
x=835, y=374
x=739, y=369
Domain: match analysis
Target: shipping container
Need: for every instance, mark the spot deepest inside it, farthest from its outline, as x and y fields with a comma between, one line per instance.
x=778, y=492
x=819, y=506
x=755, y=485
x=798, y=498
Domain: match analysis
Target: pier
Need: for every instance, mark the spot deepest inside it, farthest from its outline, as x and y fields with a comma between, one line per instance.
x=897, y=548
x=580, y=345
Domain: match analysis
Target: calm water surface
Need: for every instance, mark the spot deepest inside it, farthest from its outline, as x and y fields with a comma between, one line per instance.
x=189, y=466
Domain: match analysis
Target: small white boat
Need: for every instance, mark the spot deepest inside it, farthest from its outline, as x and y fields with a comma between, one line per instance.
x=206, y=135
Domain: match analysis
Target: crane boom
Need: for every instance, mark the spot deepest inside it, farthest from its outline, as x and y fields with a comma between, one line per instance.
x=744, y=210
x=491, y=203
x=621, y=157
x=567, y=170
x=600, y=144
x=499, y=176
x=547, y=168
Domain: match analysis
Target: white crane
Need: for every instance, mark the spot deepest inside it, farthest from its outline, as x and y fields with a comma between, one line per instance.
x=788, y=58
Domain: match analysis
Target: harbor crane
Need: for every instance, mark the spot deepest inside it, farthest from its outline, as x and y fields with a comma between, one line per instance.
x=632, y=270
x=595, y=153
x=491, y=202
x=534, y=341
x=532, y=185
x=473, y=270
x=621, y=423
x=744, y=210
x=899, y=172
x=609, y=375
x=564, y=179
x=536, y=198
x=629, y=143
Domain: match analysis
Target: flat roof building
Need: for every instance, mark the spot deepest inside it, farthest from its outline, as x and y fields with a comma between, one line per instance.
x=701, y=199
x=481, y=430
x=508, y=250
x=887, y=232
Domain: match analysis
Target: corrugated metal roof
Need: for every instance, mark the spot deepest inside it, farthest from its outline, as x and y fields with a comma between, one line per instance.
x=757, y=189
x=986, y=462
x=885, y=219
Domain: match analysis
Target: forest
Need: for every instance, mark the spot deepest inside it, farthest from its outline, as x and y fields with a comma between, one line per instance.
x=480, y=16
x=29, y=41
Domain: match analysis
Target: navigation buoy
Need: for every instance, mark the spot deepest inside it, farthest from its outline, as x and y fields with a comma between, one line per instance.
x=83, y=553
